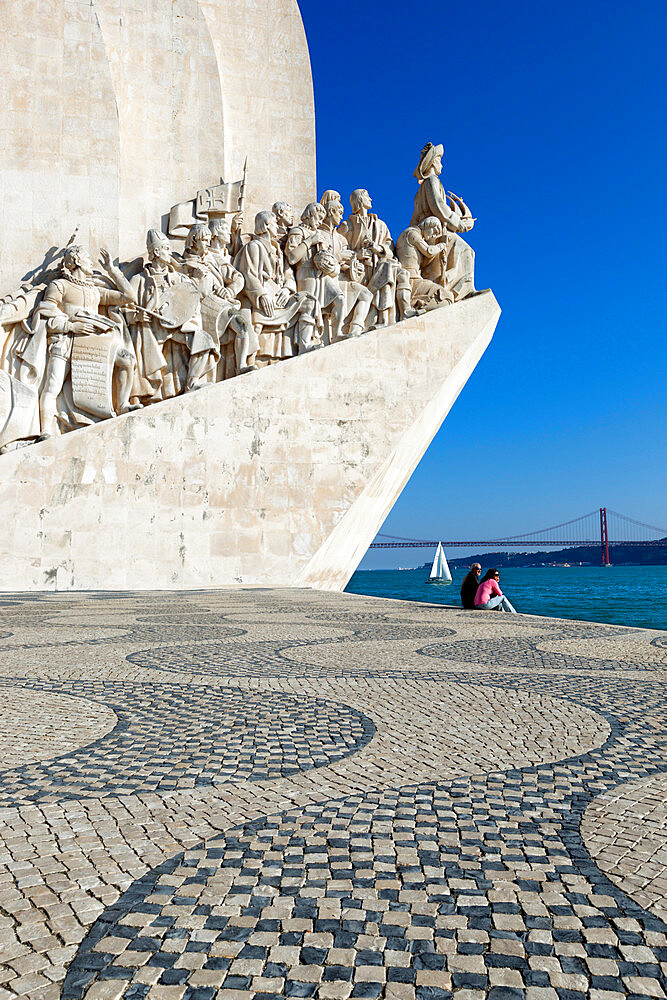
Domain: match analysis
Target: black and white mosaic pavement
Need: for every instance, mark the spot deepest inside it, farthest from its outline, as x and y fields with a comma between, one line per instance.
x=403, y=886
x=173, y=736
x=272, y=657
x=275, y=658
x=524, y=653
x=168, y=632
x=366, y=851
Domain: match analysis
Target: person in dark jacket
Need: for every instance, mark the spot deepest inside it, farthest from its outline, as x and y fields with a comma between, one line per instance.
x=470, y=585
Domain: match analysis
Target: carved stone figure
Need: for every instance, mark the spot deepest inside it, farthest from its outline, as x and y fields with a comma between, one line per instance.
x=341, y=292
x=285, y=318
x=284, y=214
x=423, y=253
x=238, y=237
x=370, y=239
x=168, y=333
x=231, y=279
x=70, y=309
x=20, y=379
x=221, y=238
x=17, y=307
x=315, y=269
x=453, y=213
x=19, y=382
x=302, y=243
x=223, y=321
x=230, y=364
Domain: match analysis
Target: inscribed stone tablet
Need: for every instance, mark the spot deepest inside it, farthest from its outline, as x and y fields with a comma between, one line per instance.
x=92, y=372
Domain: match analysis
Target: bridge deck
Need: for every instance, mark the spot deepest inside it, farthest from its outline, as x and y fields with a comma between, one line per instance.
x=521, y=543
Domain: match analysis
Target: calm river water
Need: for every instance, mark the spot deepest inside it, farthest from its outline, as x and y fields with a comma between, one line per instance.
x=622, y=595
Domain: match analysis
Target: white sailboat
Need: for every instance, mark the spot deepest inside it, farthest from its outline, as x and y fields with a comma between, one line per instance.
x=440, y=570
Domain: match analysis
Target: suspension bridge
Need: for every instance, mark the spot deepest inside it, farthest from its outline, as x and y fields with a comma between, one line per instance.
x=603, y=527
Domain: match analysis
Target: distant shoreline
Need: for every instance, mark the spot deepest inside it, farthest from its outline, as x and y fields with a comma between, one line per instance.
x=465, y=563
x=579, y=555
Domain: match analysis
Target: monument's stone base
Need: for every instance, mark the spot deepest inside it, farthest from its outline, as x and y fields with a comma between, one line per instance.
x=277, y=478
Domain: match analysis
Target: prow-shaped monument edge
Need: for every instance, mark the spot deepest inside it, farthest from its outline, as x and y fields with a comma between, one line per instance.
x=276, y=478
x=473, y=322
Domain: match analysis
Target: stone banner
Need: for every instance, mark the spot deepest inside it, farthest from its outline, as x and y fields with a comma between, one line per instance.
x=92, y=372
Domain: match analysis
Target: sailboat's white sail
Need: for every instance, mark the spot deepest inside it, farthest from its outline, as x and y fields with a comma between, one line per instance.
x=440, y=570
x=446, y=574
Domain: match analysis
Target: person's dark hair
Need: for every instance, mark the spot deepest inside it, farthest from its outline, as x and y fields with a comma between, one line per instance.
x=489, y=575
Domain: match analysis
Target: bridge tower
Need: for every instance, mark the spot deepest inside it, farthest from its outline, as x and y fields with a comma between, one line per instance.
x=604, y=537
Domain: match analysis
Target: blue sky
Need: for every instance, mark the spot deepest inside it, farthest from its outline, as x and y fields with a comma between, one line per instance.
x=553, y=121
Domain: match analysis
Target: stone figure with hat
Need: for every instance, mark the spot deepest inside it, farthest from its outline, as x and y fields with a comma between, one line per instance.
x=455, y=216
x=166, y=326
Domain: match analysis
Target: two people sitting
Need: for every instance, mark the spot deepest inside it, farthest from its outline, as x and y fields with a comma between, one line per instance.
x=485, y=594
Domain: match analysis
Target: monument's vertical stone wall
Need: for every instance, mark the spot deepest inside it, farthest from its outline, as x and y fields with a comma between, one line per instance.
x=267, y=90
x=113, y=110
x=166, y=80
x=59, y=137
x=276, y=478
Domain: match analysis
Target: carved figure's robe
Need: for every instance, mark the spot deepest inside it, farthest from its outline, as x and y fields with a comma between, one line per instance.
x=163, y=354
x=361, y=229
x=20, y=421
x=381, y=270
x=16, y=333
x=431, y=199
x=65, y=300
x=412, y=250
x=351, y=273
x=262, y=268
x=324, y=288
x=229, y=276
x=340, y=274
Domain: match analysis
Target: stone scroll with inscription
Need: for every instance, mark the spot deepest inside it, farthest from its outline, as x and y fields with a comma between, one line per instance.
x=92, y=372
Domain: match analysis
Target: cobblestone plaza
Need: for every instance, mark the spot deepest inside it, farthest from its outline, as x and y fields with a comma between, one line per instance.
x=251, y=793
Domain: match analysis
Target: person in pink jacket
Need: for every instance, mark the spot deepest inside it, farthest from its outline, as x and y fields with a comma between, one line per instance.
x=489, y=596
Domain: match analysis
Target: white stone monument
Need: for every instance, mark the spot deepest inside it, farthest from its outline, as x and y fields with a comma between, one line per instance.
x=240, y=399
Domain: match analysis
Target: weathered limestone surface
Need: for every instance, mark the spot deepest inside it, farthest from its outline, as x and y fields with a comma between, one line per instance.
x=279, y=477
x=113, y=110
